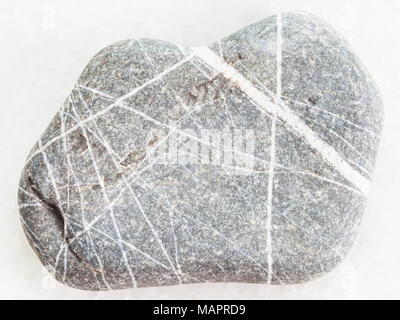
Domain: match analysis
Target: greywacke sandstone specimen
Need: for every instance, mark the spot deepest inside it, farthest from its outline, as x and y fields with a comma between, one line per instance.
x=105, y=208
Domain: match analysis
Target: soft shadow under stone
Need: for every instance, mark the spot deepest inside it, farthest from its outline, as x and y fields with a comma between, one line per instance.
x=134, y=182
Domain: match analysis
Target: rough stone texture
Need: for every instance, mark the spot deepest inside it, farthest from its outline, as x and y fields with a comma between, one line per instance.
x=102, y=213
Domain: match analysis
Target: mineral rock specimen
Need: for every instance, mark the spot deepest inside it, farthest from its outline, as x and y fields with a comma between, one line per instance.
x=248, y=160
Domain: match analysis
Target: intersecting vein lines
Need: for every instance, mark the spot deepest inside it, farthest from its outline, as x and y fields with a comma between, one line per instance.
x=225, y=239
x=275, y=98
x=178, y=270
x=111, y=152
x=307, y=173
x=155, y=79
x=183, y=133
x=95, y=91
x=113, y=105
x=90, y=225
x=278, y=100
x=54, y=184
x=32, y=234
x=262, y=102
x=101, y=183
x=333, y=115
x=129, y=245
x=29, y=194
x=231, y=242
x=365, y=160
x=83, y=215
x=153, y=120
x=172, y=128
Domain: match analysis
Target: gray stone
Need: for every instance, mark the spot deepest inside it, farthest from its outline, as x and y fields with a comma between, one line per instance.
x=245, y=161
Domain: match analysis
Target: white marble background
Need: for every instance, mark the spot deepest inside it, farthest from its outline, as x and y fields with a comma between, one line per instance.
x=44, y=47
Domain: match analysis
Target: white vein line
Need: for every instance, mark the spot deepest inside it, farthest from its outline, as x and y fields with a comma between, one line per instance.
x=65, y=222
x=51, y=174
x=65, y=263
x=111, y=152
x=81, y=202
x=158, y=123
x=33, y=235
x=95, y=91
x=53, y=182
x=345, y=141
x=333, y=115
x=220, y=49
x=111, y=210
x=170, y=214
x=30, y=194
x=155, y=79
x=228, y=113
x=320, y=178
x=25, y=205
x=153, y=230
x=229, y=241
x=264, y=104
x=182, y=213
x=90, y=225
x=63, y=245
x=185, y=215
x=273, y=142
x=304, y=105
x=129, y=245
x=164, y=140
x=113, y=105
x=145, y=53
x=279, y=55
x=117, y=102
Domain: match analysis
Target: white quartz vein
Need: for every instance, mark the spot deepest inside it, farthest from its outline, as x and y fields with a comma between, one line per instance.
x=153, y=119
x=275, y=98
x=345, y=142
x=264, y=104
x=333, y=115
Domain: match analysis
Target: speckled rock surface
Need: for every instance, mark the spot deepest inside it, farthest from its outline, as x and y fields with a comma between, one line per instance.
x=248, y=160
